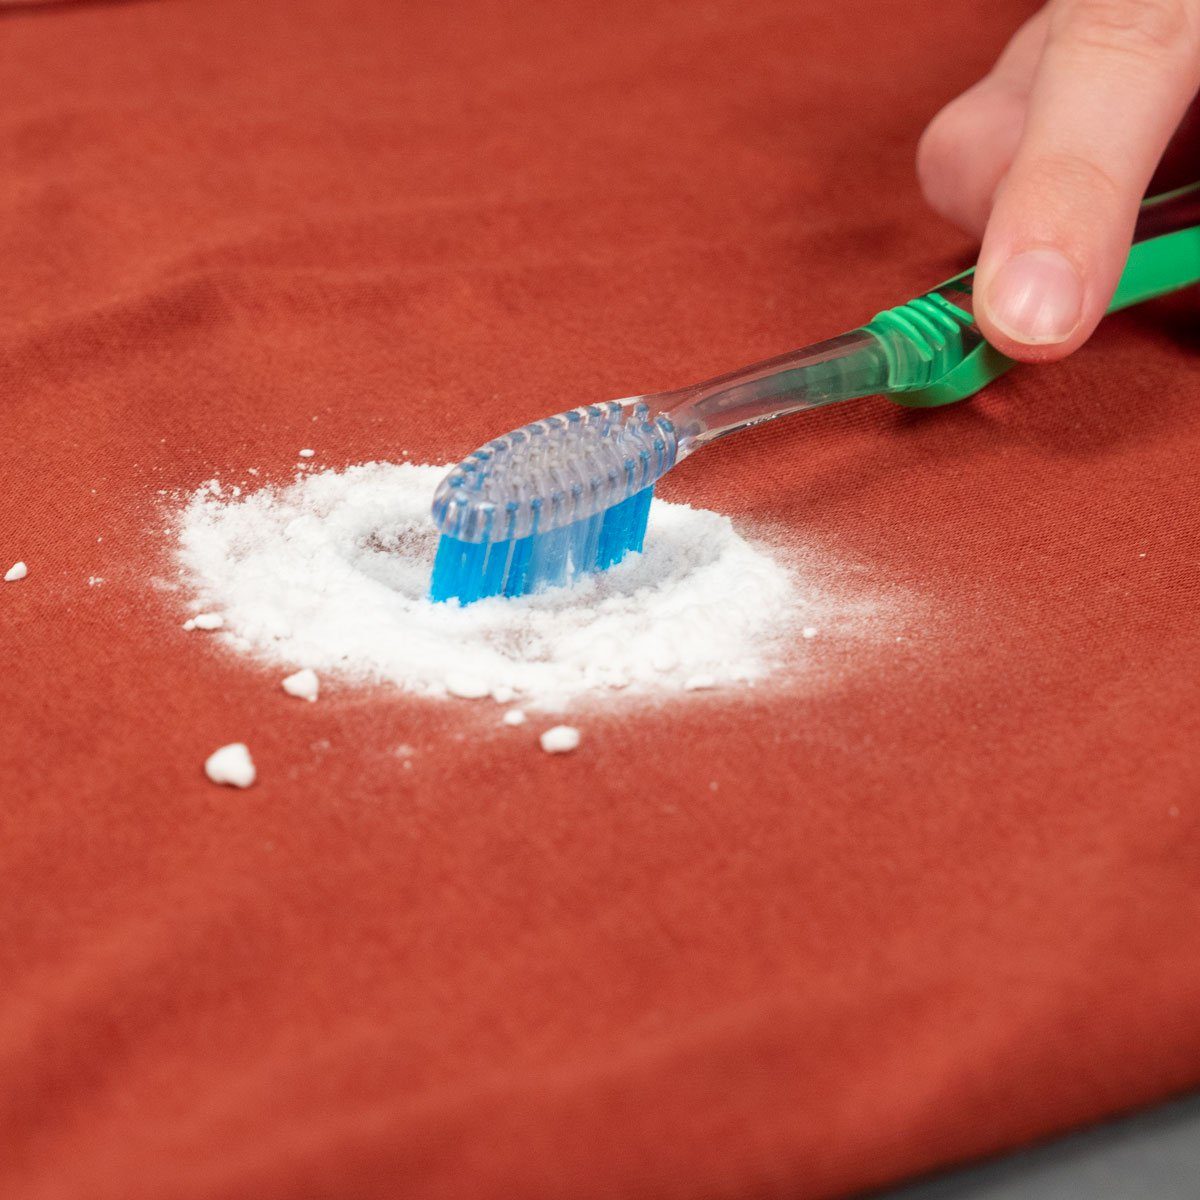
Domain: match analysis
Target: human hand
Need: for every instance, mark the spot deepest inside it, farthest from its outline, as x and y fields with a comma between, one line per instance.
x=1049, y=155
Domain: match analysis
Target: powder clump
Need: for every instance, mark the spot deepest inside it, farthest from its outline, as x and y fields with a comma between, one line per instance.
x=333, y=571
x=204, y=620
x=231, y=765
x=467, y=687
x=303, y=684
x=561, y=739
x=17, y=571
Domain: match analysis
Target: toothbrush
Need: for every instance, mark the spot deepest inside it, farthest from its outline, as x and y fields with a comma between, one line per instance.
x=570, y=494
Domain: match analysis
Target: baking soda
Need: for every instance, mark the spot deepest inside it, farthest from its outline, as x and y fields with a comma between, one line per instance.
x=204, y=620
x=562, y=739
x=303, y=684
x=17, y=571
x=467, y=687
x=231, y=765
x=332, y=571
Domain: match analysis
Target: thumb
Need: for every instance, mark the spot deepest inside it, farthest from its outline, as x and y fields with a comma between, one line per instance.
x=1115, y=78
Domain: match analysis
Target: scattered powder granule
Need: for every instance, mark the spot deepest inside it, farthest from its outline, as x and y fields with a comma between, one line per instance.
x=809, y=631
x=466, y=687
x=231, y=765
x=95, y=580
x=561, y=739
x=514, y=716
x=304, y=684
x=17, y=571
x=307, y=453
x=205, y=620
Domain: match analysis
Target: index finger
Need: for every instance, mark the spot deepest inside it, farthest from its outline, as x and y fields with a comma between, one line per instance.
x=1115, y=78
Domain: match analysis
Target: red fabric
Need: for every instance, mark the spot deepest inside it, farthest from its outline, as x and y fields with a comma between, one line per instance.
x=934, y=899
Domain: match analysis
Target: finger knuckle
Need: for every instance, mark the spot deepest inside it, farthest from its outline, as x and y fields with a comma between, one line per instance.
x=1072, y=177
x=933, y=152
x=940, y=151
x=1143, y=29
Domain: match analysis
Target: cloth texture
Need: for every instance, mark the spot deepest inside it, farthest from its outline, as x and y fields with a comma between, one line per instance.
x=930, y=898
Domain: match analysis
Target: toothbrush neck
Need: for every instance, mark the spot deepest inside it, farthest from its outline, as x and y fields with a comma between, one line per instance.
x=841, y=368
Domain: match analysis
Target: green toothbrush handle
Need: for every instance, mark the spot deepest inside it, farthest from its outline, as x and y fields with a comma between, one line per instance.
x=936, y=353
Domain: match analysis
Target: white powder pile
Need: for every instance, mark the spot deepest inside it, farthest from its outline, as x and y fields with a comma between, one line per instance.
x=331, y=572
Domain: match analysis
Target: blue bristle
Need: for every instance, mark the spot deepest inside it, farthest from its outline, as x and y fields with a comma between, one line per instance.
x=469, y=571
x=638, y=519
x=590, y=540
x=516, y=582
x=550, y=558
x=445, y=569
x=491, y=581
x=619, y=531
